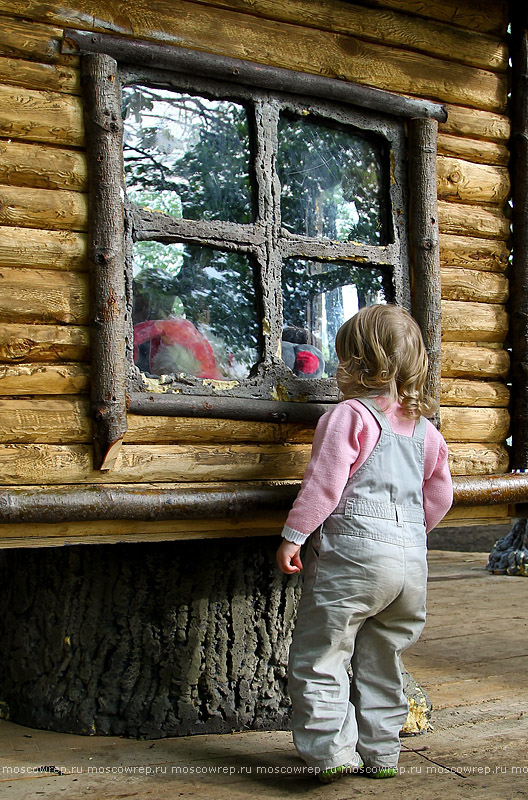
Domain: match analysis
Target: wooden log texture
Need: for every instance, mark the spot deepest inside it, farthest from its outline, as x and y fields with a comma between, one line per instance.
x=474, y=285
x=475, y=150
x=489, y=223
x=465, y=182
x=293, y=47
x=45, y=419
x=471, y=253
x=42, y=167
x=48, y=379
x=26, y=464
x=172, y=430
x=475, y=424
x=43, y=343
x=475, y=124
x=37, y=116
x=469, y=322
x=45, y=77
x=467, y=360
x=488, y=16
x=23, y=38
x=42, y=208
x=475, y=394
x=427, y=36
x=34, y=295
x=42, y=249
x=424, y=241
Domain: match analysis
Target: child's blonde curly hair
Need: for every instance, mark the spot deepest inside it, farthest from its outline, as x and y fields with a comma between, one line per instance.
x=381, y=349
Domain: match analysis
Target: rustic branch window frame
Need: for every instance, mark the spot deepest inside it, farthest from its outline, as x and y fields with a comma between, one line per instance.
x=106, y=62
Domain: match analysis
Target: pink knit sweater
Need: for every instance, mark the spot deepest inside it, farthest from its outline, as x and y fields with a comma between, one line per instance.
x=343, y=440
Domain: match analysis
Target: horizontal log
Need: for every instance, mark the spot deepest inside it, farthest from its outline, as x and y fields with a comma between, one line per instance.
x=476, y=150
x=42, y=166
x=475, y=424
x=471, y=253
x=167, y=430
x=476, y=394
x=35, y=295
x=477, y=459
x=473, y=285
x=25, y=464
x=488, y=16
x=467, y=322
x=45, y=419
x=464, y=515
x=427, y=36
x=48, y=379
x=465, y=220
x=42, y=208
x=467, y=360
x=30, y=75
x=23, y=38
x=30, y=247
x=37, y=116
x=476, y=124
x=465, y=182
x=29, y=343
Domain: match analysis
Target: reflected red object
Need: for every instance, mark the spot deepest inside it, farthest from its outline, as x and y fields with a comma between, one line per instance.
x=167, y=332
x=306, y=362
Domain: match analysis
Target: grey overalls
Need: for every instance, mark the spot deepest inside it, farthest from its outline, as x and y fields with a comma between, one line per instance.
x=363, y=603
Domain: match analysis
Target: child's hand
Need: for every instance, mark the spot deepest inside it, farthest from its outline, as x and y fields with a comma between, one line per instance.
x=288, y=557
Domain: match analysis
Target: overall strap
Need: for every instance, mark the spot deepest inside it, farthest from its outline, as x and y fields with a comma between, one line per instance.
x=420, y=427
x=376, y=413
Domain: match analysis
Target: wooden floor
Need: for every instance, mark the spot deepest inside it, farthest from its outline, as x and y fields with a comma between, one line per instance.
x=472, y=659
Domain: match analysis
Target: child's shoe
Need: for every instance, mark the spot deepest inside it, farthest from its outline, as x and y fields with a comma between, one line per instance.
x=379, y=772
x=334, y=773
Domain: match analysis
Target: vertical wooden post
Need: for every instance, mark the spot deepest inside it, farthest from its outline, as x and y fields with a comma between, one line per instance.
x=425, y=248
x=519, y=272
x=103, y=123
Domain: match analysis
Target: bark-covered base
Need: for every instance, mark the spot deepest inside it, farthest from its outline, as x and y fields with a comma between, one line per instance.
x=510, y=554
x=146, y=640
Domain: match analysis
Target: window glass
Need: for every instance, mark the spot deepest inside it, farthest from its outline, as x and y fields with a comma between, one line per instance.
x=193, y=311
x=318, y=298
x=186, y=155
x=331, y=182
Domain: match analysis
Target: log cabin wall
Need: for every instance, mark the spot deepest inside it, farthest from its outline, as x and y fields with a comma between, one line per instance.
x=454, y=53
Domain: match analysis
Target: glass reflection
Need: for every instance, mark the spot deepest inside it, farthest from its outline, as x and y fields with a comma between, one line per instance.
x=318, y=297
x=193, y=312
x=331, y=180
x=186, y=156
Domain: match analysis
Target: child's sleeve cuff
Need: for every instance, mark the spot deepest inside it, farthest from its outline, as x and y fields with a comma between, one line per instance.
x=293, y=536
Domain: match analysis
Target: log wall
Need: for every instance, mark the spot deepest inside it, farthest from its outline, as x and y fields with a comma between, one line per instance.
x=452, y=51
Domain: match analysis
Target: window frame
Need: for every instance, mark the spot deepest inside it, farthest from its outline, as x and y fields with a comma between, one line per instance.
x=108, y=60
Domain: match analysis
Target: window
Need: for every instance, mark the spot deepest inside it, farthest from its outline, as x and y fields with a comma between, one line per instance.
x=257, y=224
x=260, y=208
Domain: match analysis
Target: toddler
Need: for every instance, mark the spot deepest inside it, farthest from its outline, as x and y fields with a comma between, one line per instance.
x=378, y=480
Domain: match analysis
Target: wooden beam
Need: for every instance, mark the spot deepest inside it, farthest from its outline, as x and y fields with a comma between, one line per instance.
x=45, y=419
x=47, y=379
x=473, y=253
x=34, y=295
x=475, y=394
x=489, y=223
x=40, y=208
x=475, y=424
x=475, y=124
x=104, y=127
x=474, y=285
x=467, y=322
x=468, y=360
x=465, y=182
x=52, y=77
x=476, y=150
x=487, y=16
x=477, y=459
x=41, y=343
x=425, y=252
x=31, y=247
x=42, y=166
x=41, y=116
x=24, y=38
